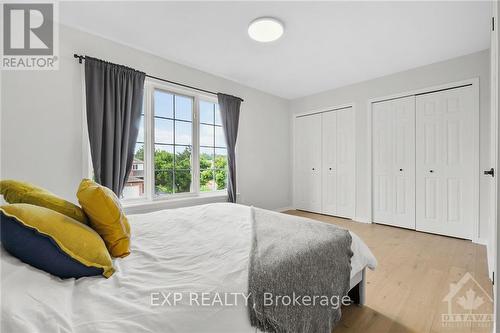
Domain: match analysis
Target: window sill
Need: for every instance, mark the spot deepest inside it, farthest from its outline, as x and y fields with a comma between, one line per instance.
x=144, y=206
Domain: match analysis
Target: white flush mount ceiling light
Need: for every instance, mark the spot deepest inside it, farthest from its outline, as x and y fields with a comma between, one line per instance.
x=265, y=29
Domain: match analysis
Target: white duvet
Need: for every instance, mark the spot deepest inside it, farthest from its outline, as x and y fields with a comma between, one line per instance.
x=202, y=249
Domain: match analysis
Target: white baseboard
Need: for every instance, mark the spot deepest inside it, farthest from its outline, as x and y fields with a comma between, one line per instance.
x=361, y=219
x=490, y=256
x=282, y=209
x=491, y=262
x=481, y=241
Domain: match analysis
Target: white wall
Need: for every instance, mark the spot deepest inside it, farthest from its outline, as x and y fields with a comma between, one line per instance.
x=466, y=67
x=41, y=122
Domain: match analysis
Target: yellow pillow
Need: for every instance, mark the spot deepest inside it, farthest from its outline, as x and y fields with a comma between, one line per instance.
x=106, y=216
x=15, y=191
x=53, y=242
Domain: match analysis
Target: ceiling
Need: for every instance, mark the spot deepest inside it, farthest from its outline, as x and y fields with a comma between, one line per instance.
x=326, y=44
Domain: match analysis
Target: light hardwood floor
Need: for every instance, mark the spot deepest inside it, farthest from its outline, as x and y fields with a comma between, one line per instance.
x=405, y=293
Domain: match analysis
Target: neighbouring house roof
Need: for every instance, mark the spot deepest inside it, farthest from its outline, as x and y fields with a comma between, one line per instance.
x=132, y=179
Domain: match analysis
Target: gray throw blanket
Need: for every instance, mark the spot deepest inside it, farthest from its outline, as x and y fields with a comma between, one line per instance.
x=298, y=258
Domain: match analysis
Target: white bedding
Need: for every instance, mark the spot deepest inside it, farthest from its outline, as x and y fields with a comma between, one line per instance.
x=195, y=249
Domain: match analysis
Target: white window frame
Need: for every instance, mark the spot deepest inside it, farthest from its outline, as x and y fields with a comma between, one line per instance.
x=150, y=85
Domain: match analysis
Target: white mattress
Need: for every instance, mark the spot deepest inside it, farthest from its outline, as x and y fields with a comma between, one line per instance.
x=195, y=249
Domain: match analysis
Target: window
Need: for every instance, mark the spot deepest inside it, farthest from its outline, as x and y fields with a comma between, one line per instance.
x=213, y=152
x=181, y=148
x=135, y=185
x=173, y=137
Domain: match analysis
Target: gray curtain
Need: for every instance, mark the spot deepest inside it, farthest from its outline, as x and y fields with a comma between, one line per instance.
x=114, y=102
x=230, y=115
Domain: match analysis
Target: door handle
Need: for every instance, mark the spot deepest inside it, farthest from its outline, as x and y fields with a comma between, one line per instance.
x=490, y=172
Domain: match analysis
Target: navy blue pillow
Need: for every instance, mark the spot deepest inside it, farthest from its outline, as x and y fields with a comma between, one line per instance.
x=40, y=251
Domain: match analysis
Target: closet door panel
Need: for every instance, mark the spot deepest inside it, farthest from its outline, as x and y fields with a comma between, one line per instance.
x=445, y=163
x=301, y=170
x=383, y=127
x=404, y=162
x=314, y=162
x=307, y=156
x=329, y=133
x=428, y=150
x=394, y=162
x=345, y=163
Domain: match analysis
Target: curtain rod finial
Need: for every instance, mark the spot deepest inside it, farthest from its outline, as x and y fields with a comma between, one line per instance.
x=79, y=57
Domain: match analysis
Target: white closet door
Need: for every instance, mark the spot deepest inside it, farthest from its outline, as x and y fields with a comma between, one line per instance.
x=445, y=163
x=300, y=167
x=308, y=163
x=394, y=162
x=345, y=163
x=329, y=198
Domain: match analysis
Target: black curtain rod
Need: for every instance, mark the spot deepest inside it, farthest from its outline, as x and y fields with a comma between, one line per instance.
x=81, y=58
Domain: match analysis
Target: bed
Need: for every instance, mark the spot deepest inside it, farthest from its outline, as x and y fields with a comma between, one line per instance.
x=201, y=249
